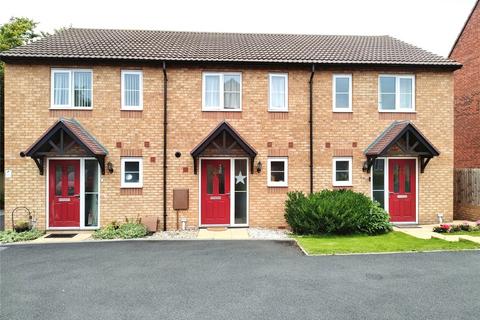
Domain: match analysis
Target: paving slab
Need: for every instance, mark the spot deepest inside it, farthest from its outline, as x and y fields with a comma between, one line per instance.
x=226, y=234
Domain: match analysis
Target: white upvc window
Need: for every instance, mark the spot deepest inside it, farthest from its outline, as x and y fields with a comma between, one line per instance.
x=342, y=92
x=277, y=172
x=71, y=89
x=342, y=171
x=132, y=172
x=132, y=90
x=278, y=92
x=222, y=91
x=396, y=93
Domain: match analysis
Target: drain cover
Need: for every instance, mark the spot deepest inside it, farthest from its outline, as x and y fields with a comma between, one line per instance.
x=61, y=235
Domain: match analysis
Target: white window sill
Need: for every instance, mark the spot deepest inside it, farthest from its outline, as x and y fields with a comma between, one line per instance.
x=71, y=108
x=277, y=111
x=277, y=185
x=339, y=184
x=221, y=110
x=131, y=187
x=131, y=109
x=397, y=111
x=342, y=111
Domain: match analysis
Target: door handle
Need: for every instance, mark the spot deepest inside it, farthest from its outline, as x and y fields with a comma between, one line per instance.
x=77, y=196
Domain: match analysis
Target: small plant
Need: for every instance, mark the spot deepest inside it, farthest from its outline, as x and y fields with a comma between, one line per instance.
x=13, y=236
x=22, y=226
x=128, y=230
x=455, y=228
x=443, y=228
x=465, y=227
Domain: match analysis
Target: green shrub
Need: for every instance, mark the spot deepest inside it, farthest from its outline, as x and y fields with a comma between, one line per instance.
x=127, y=230
x=13, y=236
x=336, y=212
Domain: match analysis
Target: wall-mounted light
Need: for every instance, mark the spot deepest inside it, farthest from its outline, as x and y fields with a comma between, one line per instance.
x=259, y=167
x=110, y=167
x=365, y=166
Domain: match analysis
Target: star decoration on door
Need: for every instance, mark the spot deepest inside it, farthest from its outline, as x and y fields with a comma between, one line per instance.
x=240, y=178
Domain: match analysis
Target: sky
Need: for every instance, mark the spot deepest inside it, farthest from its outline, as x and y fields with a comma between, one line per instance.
x=430, y=24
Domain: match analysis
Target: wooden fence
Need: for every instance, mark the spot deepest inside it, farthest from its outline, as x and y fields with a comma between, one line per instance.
x=467, y=187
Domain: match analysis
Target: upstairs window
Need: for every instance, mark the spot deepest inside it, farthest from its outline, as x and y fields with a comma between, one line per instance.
x=132, y=173
x=71, y=89
x=277, y=172
x=278, y=91
x=396, y=93
x=132, y=90
x=342, y=92
x=222, y=91
x=342, y=171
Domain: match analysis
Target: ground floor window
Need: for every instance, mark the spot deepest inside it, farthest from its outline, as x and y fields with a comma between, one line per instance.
x=277, y=172
x=240, y=189
x=378, y=181
x=342, y=171
x=132, y=173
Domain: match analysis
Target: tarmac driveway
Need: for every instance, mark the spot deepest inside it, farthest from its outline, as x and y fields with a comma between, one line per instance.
x=231, y=280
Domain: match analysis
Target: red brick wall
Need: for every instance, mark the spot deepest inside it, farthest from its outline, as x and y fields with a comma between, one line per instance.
x=467, y=94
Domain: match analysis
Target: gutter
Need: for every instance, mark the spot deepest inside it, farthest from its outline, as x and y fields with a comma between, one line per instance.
x=311, y=126
x=165, y=123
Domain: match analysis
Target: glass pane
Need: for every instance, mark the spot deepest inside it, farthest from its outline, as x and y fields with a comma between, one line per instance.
x=387, y=101
x=61, y=84
x=240, y=175
x=277, y=91
x=341, y=100
x=277, y=176
x=82, y=84
x=132, y=177
x=406, y=85
x=379, y=175
x=91, y=176
x=231, y=83
x=132, y=166
x=341, y=165
x=277, y=166
x=210, y=175
x=221, y=179
x=341, y=176
x=387, y=85
x=132, y=89
x=58, y=180
x=91, y=210
x=71, y=180
x=406, y=101
x=380, y=197
x=212, y=91
x=342, y=85
x=407, y=178
x=240, y=207
x=396, y=182
x=232, y=100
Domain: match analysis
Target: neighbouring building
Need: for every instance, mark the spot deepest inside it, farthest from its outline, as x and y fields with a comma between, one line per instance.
x=466, y=50
x=215, y=128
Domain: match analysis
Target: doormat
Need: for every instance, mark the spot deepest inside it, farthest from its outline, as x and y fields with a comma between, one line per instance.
x=407, y=226
x=217, y=229
x=61, y=235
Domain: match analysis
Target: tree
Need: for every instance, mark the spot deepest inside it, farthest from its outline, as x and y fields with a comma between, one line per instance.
x=14, y=33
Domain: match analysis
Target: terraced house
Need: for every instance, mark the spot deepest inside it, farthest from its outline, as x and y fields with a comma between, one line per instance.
x=199, y=129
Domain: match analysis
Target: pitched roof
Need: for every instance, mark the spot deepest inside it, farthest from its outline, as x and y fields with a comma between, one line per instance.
x=226, y=47
x=394, y=132
x=477, y=4
x=78, y=132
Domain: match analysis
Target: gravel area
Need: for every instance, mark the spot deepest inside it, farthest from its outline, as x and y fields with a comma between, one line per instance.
x=176, y=235
x=268, y=234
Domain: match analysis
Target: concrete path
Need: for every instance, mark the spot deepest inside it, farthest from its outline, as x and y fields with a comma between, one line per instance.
x=425, y=232
x=225, y=234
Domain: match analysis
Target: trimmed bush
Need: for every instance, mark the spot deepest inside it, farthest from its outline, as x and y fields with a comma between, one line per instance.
x=13, y=236
x=335, y=212
x=127, y=230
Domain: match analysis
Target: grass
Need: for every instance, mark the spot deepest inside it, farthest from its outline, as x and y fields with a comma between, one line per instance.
x=390, y=242
x=463, y=233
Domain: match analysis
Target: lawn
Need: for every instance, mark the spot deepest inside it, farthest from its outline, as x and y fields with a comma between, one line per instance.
x=391, y=242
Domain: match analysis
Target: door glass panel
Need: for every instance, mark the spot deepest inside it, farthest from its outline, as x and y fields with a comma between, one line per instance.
x=221, y=179
x=210, y=174
x=396, y=179
x=58, y=180
x=240, y=191
x=71, y=180
x=378, y=183
x=91, y=193
x=407, y=178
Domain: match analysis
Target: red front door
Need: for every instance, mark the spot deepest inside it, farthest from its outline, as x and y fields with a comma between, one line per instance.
x=64, y=193
x=402, y=186
x=215, y=192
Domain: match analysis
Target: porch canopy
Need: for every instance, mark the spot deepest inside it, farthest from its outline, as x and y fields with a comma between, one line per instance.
x=401, y=138
x=65, y=138
x=223, y=141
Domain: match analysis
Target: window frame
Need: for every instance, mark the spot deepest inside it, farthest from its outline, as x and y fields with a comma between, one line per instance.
x=122, y=90
x=221, y=107
x=136, y=185
x=397, y=93
x=71, y=91
x=334, y=92
x=271, y=183
x=270, y=107
x=336, y=183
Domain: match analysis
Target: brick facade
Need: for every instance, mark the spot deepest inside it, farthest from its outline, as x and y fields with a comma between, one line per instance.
x=27, y=116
